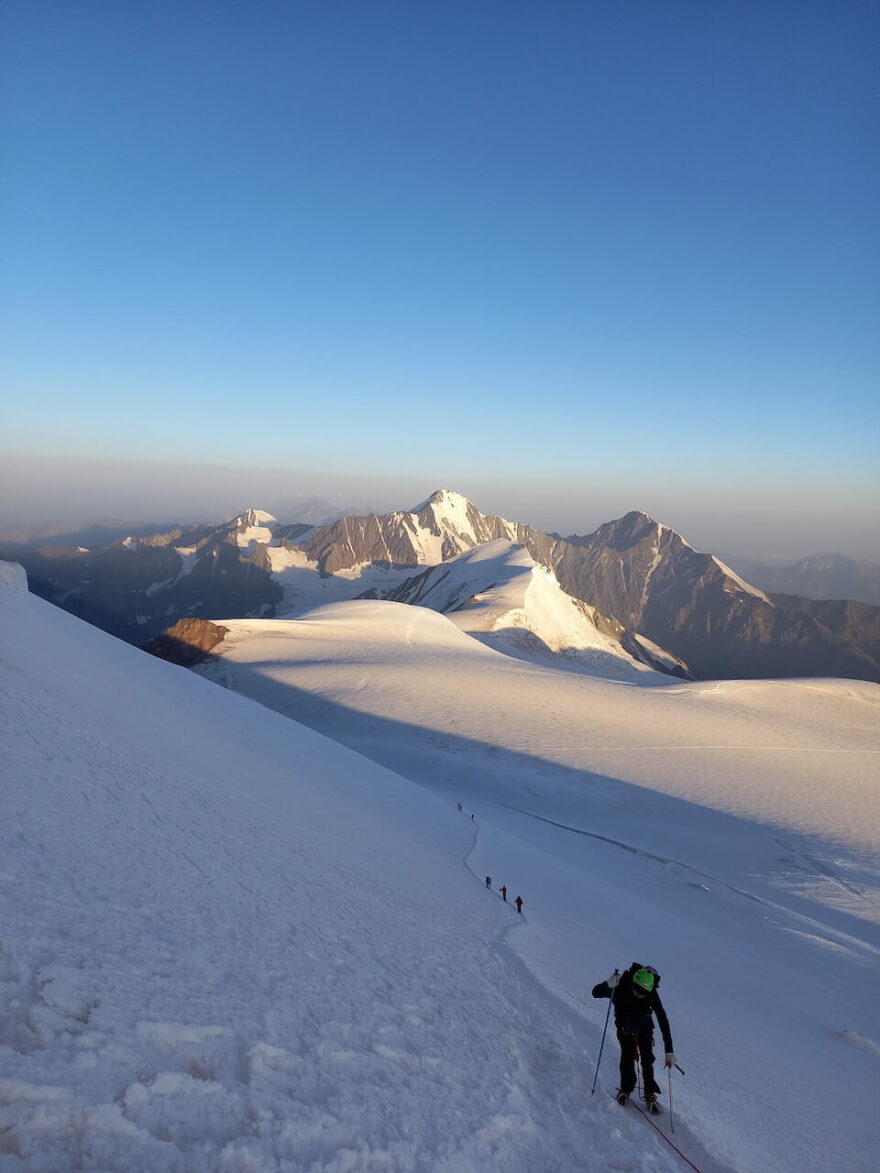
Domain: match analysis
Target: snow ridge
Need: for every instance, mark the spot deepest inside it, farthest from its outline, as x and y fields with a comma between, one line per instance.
x=498, y=593
x=740, y=583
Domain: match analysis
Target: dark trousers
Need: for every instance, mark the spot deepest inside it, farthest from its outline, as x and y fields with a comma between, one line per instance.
x=632, y=1047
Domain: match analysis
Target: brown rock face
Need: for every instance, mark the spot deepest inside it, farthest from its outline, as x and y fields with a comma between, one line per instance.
x=188, y=642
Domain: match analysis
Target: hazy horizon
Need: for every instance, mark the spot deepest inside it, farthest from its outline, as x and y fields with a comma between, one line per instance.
x=36, y=491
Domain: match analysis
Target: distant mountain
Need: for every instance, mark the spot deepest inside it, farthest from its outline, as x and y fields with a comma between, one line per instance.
x=135, y=587
x=648, y=578
x=819, y=576
x=645, y=577
x=97, y=533
x=139, y=585
x=441, y=527
x=858, y=623
x=666, y=603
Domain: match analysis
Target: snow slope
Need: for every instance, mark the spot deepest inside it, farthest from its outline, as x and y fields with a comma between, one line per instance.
x=729, y=833
x=498, y=593
x=232, y=945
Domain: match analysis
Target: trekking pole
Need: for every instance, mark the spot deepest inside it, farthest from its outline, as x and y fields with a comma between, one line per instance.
x=671, y=1117
x=602, y=1045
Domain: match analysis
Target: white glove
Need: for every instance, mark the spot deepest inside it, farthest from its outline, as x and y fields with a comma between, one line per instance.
x=614, y=979
x=670, y=1059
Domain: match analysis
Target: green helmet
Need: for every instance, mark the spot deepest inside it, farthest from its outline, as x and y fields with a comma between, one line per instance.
x=644, y=979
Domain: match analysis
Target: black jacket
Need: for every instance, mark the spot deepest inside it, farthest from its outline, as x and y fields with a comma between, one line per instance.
x=632, y=1014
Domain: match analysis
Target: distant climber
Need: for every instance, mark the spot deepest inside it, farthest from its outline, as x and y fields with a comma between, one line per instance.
x=504, y=893
x=635, y=1000
x=488, y=881
x=519, y=903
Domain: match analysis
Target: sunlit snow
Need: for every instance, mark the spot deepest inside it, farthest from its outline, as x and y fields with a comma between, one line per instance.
x=498, y=593
x=232, y=944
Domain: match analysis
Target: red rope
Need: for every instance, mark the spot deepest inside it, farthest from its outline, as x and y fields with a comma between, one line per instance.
x=665, y=1137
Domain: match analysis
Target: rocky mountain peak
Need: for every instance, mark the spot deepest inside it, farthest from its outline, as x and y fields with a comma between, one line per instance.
x=630, y=530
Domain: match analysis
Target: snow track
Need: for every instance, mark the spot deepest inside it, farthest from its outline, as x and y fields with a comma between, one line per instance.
x=568, y=1009
x=856, y=945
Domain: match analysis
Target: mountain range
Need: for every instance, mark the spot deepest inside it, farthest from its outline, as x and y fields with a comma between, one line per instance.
x=818, y=576
x=633, y=580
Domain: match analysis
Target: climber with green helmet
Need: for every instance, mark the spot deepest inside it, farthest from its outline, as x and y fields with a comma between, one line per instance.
x=634, y=996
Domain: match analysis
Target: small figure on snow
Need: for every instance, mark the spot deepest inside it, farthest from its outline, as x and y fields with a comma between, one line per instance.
x=459, y=806
x=504, y=893
x=518, y=903
x=488, y=881
x=635, y=999
x=472, y=816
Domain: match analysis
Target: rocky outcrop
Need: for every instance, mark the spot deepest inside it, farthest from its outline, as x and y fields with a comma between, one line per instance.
x=188, y=642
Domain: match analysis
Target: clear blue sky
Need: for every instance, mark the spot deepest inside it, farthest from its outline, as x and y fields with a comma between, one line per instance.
x=573, y=243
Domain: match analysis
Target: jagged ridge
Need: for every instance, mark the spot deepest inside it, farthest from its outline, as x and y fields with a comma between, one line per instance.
x=637, y=574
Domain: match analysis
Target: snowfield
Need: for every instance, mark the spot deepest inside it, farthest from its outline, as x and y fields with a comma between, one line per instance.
x=405, y=681
x=230, y=943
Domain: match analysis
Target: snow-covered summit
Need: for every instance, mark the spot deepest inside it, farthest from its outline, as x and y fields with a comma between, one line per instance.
x=451, y=515
x=252, y=517
x=444, y=498
x=253, y=525
x=453, y=508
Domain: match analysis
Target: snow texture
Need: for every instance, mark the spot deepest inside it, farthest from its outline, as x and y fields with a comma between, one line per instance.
x=231, y=944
